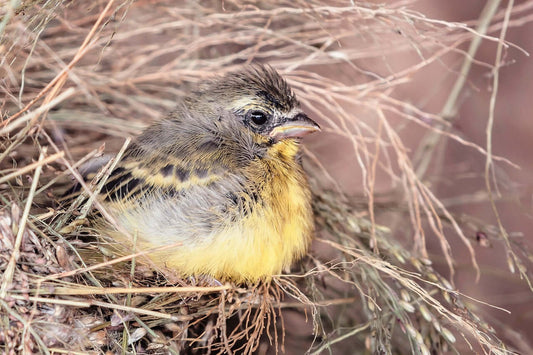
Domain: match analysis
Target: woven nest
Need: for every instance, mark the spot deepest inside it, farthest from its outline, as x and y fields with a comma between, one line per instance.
x=79, y=78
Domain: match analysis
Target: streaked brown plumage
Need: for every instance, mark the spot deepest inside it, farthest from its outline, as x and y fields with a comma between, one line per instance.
x=220, y=177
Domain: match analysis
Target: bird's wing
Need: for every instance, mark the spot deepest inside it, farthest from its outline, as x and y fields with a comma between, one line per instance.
x=141, y=175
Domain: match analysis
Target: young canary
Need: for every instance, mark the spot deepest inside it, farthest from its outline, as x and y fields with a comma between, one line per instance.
x=220, y=179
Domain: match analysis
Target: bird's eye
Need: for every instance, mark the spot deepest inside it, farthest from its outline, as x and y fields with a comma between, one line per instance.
x=258, y=117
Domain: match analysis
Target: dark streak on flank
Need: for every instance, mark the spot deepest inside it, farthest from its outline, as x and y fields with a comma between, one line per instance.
x=244, y=201
x=135, y=187
x=121, y=186
x=171, y=192
x=254, y=196
x=168, y=170
x=181, y=174
x=233, y=198
x=115, y=180
x=201, y=173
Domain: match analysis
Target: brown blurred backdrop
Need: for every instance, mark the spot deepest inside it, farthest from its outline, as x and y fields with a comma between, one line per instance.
x=462, y=172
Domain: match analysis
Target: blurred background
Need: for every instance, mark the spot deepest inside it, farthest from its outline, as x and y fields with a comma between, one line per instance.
x=462, y=181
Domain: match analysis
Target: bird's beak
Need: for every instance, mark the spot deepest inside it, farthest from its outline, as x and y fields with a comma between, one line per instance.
x=296, y=127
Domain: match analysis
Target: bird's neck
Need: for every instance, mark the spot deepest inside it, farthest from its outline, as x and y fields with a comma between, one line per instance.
x=286, y=151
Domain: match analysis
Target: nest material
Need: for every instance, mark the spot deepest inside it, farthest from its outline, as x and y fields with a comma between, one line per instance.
x=78, y=75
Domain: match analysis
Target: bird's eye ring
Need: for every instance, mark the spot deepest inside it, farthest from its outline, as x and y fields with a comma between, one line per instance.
x=258, y=117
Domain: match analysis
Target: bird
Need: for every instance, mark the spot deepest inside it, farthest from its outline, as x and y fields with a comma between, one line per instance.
x=216, y=188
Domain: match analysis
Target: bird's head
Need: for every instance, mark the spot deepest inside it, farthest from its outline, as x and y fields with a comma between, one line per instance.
x=263, y=103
